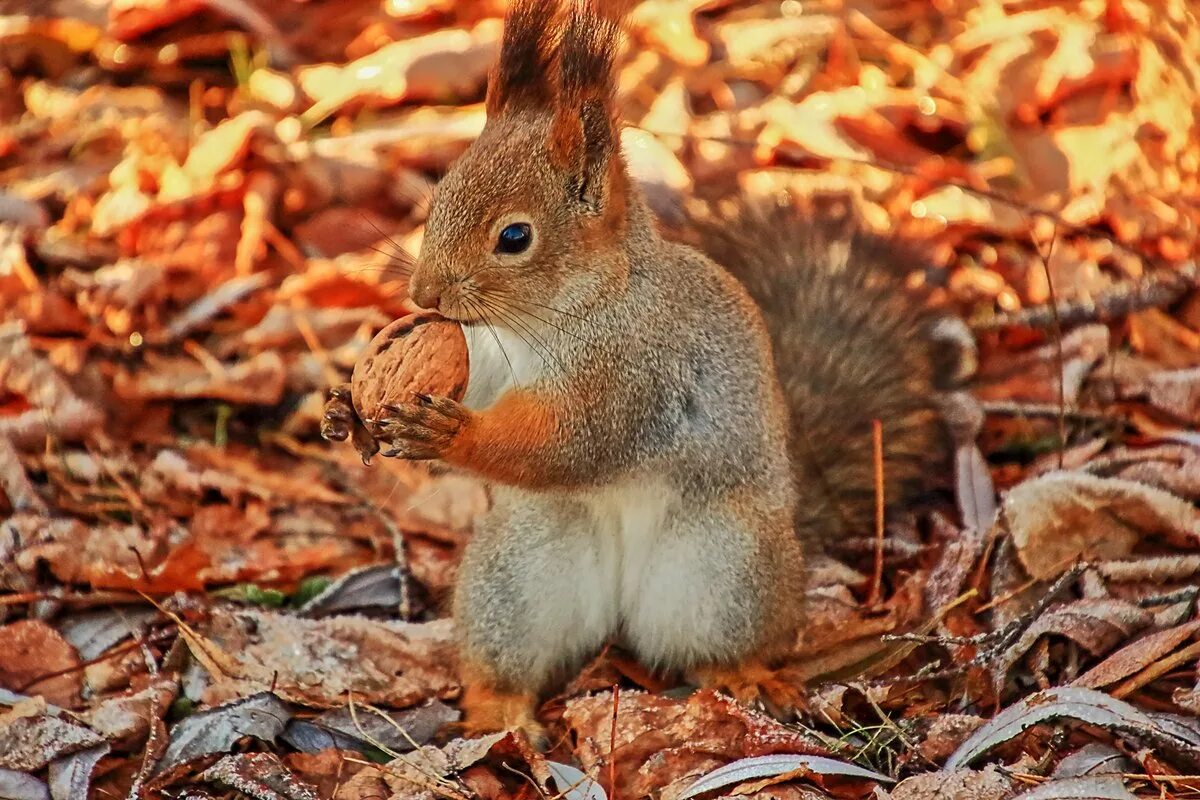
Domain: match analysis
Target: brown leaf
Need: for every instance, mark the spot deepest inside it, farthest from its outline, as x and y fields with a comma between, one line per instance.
x=125, y=720
x=1095, y=625
x=1033, y=375
x=441, y=66
x=1060, y=517
x=32, y=649
x=37, y=401
x=259, y=775
x=34, y=736
x=322, y=662
x=663, y=741
x=258, y=380
x=1137, y=655
x=960, y=784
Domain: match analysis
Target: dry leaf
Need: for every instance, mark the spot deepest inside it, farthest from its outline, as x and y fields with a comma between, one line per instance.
x=1060, y=517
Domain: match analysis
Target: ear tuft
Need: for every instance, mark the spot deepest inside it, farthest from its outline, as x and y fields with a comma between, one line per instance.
x=584, y=135
x=523, y=75
x=586, y=56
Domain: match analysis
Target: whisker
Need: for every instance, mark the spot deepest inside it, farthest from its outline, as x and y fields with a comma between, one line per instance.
x=518, y=325
x=401, y=252
x=483, y=318
x=526, y=312
x=592, y=323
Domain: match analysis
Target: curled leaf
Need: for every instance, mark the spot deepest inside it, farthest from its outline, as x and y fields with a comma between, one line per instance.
x=745, y=769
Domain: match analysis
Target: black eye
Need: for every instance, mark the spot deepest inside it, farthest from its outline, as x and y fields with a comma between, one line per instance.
x=514, y=238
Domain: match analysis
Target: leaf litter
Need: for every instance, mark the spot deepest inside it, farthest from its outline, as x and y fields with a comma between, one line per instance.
x=200, y=230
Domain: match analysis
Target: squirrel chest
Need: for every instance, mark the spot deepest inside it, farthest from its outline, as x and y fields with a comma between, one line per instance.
x=615, y=555
x=499, y=360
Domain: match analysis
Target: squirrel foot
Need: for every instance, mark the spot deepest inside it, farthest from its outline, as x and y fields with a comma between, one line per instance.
x=488, y=710
x=752, y=683
x=340, y=422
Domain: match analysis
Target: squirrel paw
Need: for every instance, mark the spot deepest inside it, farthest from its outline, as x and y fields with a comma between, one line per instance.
x=422, y=430
x=340, y=422
x=489, y=711
x=754, y=684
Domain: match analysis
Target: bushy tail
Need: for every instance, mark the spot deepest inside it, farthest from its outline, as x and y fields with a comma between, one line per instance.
x=851, y=345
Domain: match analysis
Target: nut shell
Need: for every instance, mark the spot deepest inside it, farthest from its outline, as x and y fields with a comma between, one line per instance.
x=417, y=354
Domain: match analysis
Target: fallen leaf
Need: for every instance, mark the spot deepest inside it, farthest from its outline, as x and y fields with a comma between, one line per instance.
x=1085, y=705
x=1103, y=787
x=34, y=737
x=322, y=662
x=573, y=784
x=663, y=740
x=34, y=655
x=344, y=729
x=960, y=784
x=262, y=716
x=1057, y=518
x=374, y=587
x=1137, y=655
x=745, y=769
x=1095, y=625
x=16, y=785
x=71, y=775
x=262, y=776
x=258, y=380
x=1094, y=759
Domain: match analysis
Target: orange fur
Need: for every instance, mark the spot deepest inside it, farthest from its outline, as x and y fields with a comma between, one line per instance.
x=754, y=683
x=487, y=709
x=509, y=442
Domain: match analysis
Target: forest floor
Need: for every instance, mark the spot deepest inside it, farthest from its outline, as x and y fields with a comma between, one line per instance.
x=201, y=598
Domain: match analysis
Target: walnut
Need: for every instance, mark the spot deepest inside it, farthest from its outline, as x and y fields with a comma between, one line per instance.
x=417, y=354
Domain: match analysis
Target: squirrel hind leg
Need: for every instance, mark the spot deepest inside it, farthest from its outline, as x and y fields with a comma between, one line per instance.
x=489, y=709
x=755, y=684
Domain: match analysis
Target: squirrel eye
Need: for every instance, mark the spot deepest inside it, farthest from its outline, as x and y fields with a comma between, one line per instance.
x=514, y=238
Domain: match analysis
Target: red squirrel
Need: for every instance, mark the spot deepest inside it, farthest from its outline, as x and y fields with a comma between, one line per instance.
x=660, y=424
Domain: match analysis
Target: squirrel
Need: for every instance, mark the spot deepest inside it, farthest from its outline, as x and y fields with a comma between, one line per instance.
x=661, y=424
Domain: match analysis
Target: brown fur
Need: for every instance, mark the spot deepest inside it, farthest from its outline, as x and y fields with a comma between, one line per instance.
x=522, y=76
x=851, y=346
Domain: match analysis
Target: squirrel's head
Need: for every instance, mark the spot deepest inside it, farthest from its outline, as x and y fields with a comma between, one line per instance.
x=541, y=199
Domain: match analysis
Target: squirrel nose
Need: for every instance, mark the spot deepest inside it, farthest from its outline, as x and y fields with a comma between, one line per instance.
x=425, y=293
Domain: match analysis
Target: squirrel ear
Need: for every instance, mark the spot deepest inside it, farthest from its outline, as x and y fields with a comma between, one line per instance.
x=584, y=138
x=523, y=75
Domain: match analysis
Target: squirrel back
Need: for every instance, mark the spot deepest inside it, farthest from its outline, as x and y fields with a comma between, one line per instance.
x=851, y=345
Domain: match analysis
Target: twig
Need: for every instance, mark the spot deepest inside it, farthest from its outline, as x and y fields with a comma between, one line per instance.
x=877, y=577
x=154, y=638
x=993, y=643
x=1150, y=291
x=612, y=744
x=1060, y=361
x=1157, y=669
x=1011, y=408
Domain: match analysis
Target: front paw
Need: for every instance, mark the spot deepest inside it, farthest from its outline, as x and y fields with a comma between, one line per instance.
x=341, y=422
x=428, y=428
